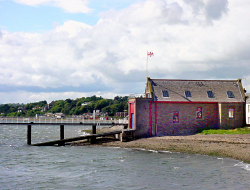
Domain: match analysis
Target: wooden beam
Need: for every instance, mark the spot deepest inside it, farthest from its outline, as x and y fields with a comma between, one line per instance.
x=29, y=134
x=62, y=134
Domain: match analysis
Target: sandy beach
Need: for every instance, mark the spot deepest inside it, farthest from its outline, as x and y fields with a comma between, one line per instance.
x=231, y=146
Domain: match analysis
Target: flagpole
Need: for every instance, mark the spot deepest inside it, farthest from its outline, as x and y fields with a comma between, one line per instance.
x=148, y=54
x=147, y=66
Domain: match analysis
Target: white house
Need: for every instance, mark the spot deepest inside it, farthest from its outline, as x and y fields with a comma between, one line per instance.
x=247, y=108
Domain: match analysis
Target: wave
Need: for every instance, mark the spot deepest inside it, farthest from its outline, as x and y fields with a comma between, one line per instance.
x=243, y=165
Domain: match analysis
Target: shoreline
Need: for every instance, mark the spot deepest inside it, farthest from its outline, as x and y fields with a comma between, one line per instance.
x=231, y=146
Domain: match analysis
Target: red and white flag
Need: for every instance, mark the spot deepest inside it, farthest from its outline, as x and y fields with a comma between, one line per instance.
x=150, y=54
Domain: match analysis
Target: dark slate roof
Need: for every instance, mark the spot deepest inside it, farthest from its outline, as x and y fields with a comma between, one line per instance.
x=198, y=88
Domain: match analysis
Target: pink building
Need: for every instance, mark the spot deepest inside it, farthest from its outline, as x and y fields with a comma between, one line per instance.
x=181, y=107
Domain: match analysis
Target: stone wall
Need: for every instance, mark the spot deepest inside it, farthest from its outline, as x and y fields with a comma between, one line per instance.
x=187, y=122
x=230, y=123
x=157, y=118
x=142, y=117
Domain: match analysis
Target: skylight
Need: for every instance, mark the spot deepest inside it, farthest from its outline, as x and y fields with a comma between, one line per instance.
x=165, y=93
x=188, y=94
x=210, y=94
x=230, y=94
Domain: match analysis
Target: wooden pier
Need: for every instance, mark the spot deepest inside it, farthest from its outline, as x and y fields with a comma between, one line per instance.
x=92, y=138
x=119, y=134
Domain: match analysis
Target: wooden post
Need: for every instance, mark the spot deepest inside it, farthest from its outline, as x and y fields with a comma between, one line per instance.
x=93, y=139
x=94, y=129
x=62, y=134
x=29, y=134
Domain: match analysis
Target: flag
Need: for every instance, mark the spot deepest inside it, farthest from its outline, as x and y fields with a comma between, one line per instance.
x=150, y=54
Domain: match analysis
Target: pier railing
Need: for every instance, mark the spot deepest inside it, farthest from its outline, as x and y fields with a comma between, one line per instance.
x=29, y=121
x=49, y=120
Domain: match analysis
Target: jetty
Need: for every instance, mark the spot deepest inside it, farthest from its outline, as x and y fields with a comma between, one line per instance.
x=121, y=135
x=91, y=137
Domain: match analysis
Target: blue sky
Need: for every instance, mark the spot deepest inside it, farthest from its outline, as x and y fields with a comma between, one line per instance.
x=58, y=49
x=16, y=17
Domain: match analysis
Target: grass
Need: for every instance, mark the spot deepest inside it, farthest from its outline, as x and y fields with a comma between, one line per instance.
x=244, y=130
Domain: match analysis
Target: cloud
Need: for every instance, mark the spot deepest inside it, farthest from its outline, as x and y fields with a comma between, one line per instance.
x=72, y=6
x=197, y=5
x=148, y=13
x=208, y=10
x=110, y=57
x=214, y=9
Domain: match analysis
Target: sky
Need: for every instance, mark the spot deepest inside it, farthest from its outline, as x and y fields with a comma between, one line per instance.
x=59, y=49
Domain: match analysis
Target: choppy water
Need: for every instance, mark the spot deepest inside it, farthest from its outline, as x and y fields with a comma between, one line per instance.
x=28, y=167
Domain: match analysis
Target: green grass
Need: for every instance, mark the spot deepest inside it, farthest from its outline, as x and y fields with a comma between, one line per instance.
x=244, y=130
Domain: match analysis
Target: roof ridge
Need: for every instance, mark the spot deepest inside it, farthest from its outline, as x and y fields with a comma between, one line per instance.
x=231, y=80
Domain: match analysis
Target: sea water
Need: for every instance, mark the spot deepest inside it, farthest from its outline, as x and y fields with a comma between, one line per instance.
x=90, y=167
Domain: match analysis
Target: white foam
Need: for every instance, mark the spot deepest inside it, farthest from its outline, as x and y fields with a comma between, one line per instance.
x=116, y=147
x=243, y=165
x=220, y=158
x=176, y=168
x=84, y=133
x=139, y=149
x=165, y=151
x=155, y=151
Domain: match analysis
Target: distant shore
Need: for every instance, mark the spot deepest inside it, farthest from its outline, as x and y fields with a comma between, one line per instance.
x=231, y=146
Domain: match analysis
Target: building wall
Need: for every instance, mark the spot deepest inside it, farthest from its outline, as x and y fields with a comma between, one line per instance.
x=187, y=123
x=142, y=119
x=237, y=121
x=156, y=118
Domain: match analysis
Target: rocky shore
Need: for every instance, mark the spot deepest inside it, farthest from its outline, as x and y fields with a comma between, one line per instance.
x=231, y=146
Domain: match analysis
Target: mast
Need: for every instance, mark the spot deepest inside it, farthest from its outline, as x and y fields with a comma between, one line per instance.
x=148, y=54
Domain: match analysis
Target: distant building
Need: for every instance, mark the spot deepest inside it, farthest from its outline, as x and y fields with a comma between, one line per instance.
x=56, y=115
x=88, y=115
x=49, y=115
x=59, y=115
x=46, y=108
x=248, y=108
x=121, y=114
x=35, y=108
x=85, y=103
x=21, y=109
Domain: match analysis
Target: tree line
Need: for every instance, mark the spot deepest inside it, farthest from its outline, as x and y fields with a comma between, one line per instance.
x=78, y=106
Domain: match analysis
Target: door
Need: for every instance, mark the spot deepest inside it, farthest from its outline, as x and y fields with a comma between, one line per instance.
x=132, y=115
x=132, y=120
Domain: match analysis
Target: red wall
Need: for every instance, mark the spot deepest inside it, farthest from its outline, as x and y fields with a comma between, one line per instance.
x=131, y=113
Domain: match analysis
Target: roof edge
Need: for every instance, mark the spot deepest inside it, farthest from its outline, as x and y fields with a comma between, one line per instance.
x=236, y=80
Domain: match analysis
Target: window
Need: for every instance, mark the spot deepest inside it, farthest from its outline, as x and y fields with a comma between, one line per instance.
x=210, y=94
x=230, y=94
x=165, y=93
x=248, y=108
x=199, y=113
x=231, y=113
x=175, y=117
x=188, y=94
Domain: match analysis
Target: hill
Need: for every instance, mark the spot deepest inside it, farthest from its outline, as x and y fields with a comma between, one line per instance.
x=78, y=106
